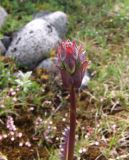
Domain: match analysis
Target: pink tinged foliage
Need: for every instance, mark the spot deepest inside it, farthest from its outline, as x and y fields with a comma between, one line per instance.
x=10, y=124
x=72, y=63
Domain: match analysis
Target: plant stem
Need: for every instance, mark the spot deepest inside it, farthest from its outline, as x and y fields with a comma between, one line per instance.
x=72, y=125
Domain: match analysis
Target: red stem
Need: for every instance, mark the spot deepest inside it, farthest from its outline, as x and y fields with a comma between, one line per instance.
x=72, y=125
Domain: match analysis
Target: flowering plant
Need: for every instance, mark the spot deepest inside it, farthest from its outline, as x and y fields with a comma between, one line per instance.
x=72, y=64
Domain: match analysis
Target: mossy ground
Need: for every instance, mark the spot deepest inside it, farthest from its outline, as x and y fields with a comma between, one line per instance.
x=103, y=107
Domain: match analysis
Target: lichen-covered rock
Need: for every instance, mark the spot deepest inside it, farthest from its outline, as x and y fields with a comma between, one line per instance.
x=57, y=19
x=35, y=41
x=3, y=16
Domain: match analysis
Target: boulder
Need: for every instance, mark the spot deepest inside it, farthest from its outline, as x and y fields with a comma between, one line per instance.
x=33, y=43
x=57, y=19
x=6, y=40
x=3, y=16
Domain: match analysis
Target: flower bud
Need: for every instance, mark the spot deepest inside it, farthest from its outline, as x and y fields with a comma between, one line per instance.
x=72, y=63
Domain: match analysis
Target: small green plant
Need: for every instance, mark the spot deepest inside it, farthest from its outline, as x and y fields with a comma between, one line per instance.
x=24, y=81
x=6, y=77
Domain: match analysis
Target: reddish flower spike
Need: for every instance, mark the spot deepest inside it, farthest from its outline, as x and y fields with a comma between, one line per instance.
x=72, y=63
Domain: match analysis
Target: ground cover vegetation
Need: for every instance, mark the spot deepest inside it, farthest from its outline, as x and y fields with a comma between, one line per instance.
x=34, y=107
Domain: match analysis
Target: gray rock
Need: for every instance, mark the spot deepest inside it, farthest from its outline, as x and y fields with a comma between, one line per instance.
x=57, y=19
x=85, y=81
x=34, y=42
x=50, y=64
x=3, y=16
x=6, y=41
x=2, y=48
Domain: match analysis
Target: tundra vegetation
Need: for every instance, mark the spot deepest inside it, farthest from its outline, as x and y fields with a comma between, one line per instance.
x=34, y=106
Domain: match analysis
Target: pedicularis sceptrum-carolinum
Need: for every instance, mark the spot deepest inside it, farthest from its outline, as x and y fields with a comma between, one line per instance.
x=72, y=64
